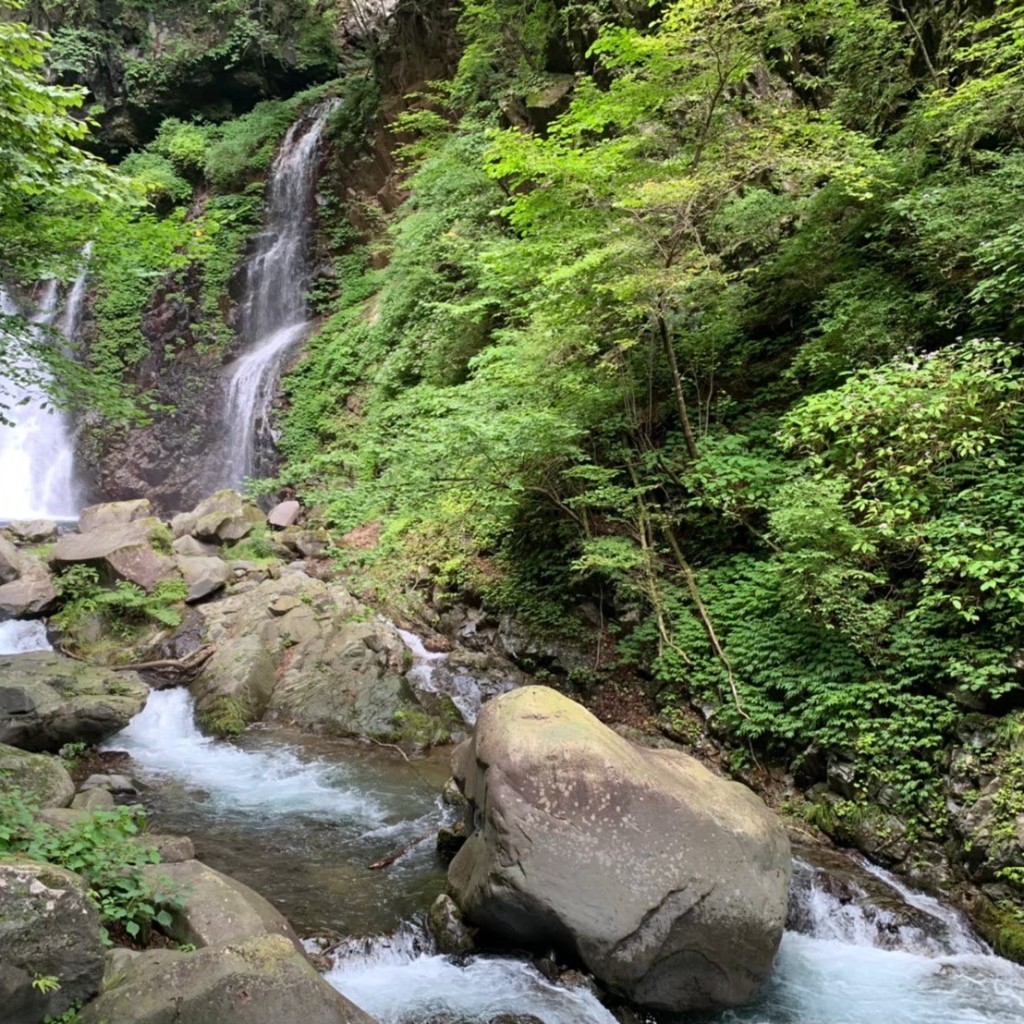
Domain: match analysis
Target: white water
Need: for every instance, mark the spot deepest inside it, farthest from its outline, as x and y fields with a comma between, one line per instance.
x=465, y=690
x=37, y=451
x=21, y=636
x=165, y=740
x=274, y=310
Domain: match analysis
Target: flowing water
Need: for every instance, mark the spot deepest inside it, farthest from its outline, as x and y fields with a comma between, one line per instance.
x=302, y=819
x=37, y=448
x=274, y=313
x=21, y=636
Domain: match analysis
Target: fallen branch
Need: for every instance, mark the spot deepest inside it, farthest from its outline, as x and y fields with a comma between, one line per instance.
x=393, y=746
x=191, y=663
x=386, y=862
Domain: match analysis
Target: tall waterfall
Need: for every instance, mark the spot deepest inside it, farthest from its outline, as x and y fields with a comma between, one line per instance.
x=274, y=309
x=37, y=449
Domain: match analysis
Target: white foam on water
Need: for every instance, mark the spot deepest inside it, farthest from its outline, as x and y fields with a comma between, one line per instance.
x=22, y=636
x=163, y=738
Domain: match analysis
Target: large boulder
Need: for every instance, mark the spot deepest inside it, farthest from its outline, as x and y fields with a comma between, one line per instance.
x=300, y=649
x=32, y=594
x=42, y=778
x=215, y=910
x=50, y=929
x=119, y=551
x=33, y=531
x=668, y=882
x=114, y=513
x=47, y=700
x=262, y=981
x=11, y=563
x=284, y=514
x=202, y=575
x=223, y=517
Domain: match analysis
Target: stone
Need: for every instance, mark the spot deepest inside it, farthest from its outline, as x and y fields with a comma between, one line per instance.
x=12, y=565
x=48, y=928
x=31, y=595
x=307, y=543
x=223, y=517
x=449, y=930
x=123, y=784
x=183, y=524
x=44, y=779
x=94, y=800
x=118, y=551
x=285, y=604
x=189, y=547
x=61, y=818
x=172, y=849
x=203, y=576
x=33, y=531
x=113, y=513
x=262, y=981
x=284, y=514
x=215, y=909
x=450, y=840
x=47, y=700
x=669, y=883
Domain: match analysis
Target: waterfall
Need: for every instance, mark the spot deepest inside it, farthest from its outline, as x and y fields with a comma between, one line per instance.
x=37, y=449
x=274, y=308
x=74, y=307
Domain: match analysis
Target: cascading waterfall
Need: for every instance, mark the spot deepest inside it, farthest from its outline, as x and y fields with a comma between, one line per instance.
x=274, y=309
x=37, y=450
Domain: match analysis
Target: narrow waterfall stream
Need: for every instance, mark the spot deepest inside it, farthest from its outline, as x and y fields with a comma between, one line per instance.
x=301, y=820
x=37, y=449
x=274, y=308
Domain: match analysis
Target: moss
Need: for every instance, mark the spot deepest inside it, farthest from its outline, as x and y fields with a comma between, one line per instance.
x=415, y=726
x=1002, y=925
x=224, y=716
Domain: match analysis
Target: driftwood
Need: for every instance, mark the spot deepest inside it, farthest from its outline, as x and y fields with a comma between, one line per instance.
x=177, y=667
x=386, y=862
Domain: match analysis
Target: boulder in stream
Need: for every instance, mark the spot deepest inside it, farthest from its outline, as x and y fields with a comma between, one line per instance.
x=12, y=565
x=33, y=531
x=263, y=981
x=30, y=595
x=215, y=909
x=668, y=882
x=47, y=700
x=48, y=928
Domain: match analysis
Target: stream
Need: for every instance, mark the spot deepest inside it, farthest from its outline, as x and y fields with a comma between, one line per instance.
x=301, y=818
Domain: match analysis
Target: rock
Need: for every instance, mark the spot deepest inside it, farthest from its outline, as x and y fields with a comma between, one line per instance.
x=12, y=565
x=215, y=909
x=61, y=818
x=307, y=543
x=189, y=547
x=118, y=551
x=123, y=784
x=224, y=517
x=48, y=928
x=183, y=524
x=113, y=513
x=669, y=883
x=289, y=648
x=262, y=981
x=284, y=514
x=32, y=594
x=33, y=531
x=172, y=849
x=450, y=841
x=43, y=778
x=449, y=930
x=203, y=576
x=47, y=700
x=94, y=800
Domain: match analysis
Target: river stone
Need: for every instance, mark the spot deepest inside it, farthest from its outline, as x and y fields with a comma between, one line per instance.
x=48, y=927
x=669, y=883
x=284, y=514
x=203, y=576
x=172, y=849
x=43, y=778
x=118, y=551
x=33, y=531
x=189, y=547
x=224, y=516
x=12, y=565
x=113, y=513
x=94, y=800
x=32, y=594
x=262, y=981
x=216, y=909
x=124, y=784
x=47, y=700
x=449, y=930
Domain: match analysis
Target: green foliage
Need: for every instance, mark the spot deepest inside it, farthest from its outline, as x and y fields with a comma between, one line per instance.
x=122, y=608
x=224, y=717
x=103, y=848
